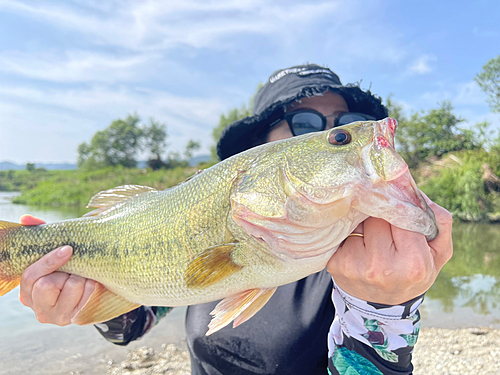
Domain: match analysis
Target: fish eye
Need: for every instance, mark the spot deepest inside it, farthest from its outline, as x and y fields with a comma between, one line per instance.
x=339, y=137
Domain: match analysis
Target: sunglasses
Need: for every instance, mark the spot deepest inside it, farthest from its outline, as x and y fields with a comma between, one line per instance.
x=308, y=120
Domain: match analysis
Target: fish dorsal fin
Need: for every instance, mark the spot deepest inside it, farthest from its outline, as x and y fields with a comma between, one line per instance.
x=102, y=306
x=211, y=266
x=240, y=308
x=109, y=198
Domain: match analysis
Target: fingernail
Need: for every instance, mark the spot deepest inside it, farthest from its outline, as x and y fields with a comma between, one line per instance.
x=64, y=252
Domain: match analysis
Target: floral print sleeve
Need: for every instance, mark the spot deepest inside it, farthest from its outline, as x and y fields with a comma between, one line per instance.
x=132, y=325
x=369, y=338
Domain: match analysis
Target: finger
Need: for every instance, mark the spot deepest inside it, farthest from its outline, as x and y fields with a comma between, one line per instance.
x=359, y=229
x=46, y=290
x=414, y=255
x=46, y=265
x=408, y=242
x=442, y=245
x=427, y=199
x=378, y=236
x=30, y=220
x=441, y=213
x=70, y=296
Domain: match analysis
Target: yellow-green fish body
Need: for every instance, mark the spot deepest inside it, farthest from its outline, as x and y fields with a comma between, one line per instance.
x=263, y=218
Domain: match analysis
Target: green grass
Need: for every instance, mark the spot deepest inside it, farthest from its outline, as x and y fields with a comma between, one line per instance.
x=76, y=188
x=454, y=181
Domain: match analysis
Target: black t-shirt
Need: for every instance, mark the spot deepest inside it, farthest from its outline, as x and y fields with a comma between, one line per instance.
x=287, y=336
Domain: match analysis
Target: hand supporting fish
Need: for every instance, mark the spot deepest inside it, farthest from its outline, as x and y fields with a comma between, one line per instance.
x=263, y=218
x=391, y=265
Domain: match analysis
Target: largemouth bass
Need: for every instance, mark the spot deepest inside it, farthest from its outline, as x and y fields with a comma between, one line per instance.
x=260, y=219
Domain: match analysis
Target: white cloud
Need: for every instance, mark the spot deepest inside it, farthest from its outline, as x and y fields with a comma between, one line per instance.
x=464, y=94
x=160, y=25
x=113, y=102
x=146, y=32
x=485, y=32
x=77, y=66
x=422, y=65
x=469, y=93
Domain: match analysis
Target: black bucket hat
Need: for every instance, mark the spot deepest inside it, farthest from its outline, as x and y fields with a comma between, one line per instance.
x=282, y=88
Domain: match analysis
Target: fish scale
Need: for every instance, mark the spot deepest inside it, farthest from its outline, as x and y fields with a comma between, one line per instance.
x=263, y=218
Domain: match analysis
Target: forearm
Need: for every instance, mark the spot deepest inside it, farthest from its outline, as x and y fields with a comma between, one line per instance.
x=372, y=337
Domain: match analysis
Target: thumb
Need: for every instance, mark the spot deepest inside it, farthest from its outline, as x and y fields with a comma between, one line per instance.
x=443, y=243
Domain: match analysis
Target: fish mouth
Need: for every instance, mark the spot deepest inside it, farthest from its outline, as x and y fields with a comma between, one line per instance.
x=387, y=129
x=405, y=186
x=406, y=190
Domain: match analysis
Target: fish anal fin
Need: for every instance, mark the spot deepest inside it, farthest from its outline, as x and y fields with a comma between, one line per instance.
x=109, y=198
x=211, y=266
x=6, y=226
x=238, y=308
x=102, y=306
x=7, y=285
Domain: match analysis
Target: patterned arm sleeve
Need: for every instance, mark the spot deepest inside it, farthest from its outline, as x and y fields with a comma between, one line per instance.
x=132, y=325
x=370, y=338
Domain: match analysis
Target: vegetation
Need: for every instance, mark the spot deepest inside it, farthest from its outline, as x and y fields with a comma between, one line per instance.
x=24, y=180
x=489, y=81
x=456, y=167
x=118, y=144
x=76, y=187
x=122, y=141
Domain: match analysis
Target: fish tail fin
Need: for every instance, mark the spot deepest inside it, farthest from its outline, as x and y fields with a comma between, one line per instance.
x=8, y=278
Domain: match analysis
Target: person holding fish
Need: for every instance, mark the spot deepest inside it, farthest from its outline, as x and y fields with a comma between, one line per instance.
x=360, y=313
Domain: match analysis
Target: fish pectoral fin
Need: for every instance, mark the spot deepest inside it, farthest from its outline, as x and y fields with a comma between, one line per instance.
x=211, y=266
x=104, y=200
x=102, y=306
x=240, y=308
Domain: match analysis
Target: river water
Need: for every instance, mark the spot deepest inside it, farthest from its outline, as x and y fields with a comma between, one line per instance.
x=465, y=294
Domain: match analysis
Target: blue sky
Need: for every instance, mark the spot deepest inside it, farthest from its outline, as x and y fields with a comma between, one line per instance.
x=68, y=68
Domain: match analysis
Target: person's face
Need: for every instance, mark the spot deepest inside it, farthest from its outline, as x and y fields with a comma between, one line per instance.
x=328, y=104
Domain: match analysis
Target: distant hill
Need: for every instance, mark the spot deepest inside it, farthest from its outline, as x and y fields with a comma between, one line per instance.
x=7, y=165
x=195, y=160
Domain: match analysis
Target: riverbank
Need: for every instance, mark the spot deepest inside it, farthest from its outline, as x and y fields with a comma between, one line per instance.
x=464, y=182
x=438, y=352
x=75, y=188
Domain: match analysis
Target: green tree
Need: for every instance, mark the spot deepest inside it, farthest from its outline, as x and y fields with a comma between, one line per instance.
x=489, y=81
x=30, y=167
x=155, y=140
x=190, y=148
x=432, y=133
x=118, y=144
x=233, y=115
